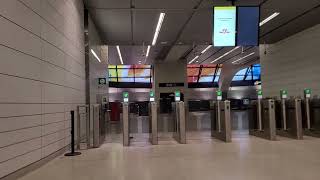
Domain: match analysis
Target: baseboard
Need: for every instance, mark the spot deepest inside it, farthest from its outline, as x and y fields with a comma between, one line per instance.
x=27, y=169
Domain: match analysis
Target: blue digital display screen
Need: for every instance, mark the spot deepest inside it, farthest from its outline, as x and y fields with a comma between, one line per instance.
x=248, y=26
x=224, y=26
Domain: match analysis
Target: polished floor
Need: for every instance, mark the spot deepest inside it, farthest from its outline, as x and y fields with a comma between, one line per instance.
x=246, y=158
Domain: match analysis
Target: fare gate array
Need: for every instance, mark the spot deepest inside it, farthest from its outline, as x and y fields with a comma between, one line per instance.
x=221, y=120
x=289, y=118
x=262, y=119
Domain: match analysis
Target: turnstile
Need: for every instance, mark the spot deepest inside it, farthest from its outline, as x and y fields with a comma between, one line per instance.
x=153, y=115
x=179, y=133
x=125, y=124
x=221, y=120
x=289, y=118
x=262, y=119
x=311, y=117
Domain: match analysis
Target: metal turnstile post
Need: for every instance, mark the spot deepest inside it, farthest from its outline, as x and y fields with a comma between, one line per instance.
x=154, y=123
x=96, y=125
x=307, y=115
x=222, y=122
x=125, y=123
x=270, y=121
x=259, y=114
x=180, y=123
x=83, y=119
x=284, y=114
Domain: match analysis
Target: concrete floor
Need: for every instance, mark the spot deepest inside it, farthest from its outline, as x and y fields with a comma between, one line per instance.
x=246, y=158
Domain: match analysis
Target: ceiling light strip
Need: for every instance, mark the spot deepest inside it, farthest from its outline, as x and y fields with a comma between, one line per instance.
x=269, y=18
x=234, y=62
x=148, y=51
x=206, y=49
x=195, y=58
x=95, y=55
x=226, y=54
x=156, y=33
x=119, y=53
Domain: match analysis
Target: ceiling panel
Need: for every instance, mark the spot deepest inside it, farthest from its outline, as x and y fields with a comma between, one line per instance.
x=166, y=3
x=108, y=3
x=144, y=26
x=114, y=24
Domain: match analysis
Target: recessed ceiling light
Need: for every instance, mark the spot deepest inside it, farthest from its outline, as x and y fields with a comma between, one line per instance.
x=119, y=53
x=95, y=55
x=234, y=62
x=164, y=42
x=156, y=33
x=269, y=18
x=226, y=54
x=195, y=58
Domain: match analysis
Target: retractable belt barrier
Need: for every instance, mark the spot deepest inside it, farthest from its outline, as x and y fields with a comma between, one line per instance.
x=262, y=119
x=221, y=120
x=153, y=114
x=311, y=117
x=179, y=133
x=289, y=118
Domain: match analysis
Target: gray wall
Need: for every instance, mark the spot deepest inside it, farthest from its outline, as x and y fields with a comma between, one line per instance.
x=292, y=64
x=42, y=77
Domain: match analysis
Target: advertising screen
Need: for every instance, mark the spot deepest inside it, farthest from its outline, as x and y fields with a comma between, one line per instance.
x=248, y=26
x=224, y=26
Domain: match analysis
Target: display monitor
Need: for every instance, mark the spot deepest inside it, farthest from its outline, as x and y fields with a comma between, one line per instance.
x=248, y=26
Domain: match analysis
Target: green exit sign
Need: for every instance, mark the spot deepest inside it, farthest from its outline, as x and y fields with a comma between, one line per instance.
x=284, y=94
x=219, y=95
x=151, y=96
x=259, y=94
x=125, y=97
x=177, y=95
x=307, y=93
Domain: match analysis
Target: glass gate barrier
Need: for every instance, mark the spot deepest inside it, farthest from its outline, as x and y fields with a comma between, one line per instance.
x=289, y=118
x=262, y=119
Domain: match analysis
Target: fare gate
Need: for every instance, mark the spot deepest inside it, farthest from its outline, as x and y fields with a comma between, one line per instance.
x=289, y=118
x=153, y=118
x=311, y=117
x=179, y=133
x=262, y=121
x=221, y=121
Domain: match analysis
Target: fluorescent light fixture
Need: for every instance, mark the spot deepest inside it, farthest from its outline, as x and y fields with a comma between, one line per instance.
x=206, y=49
x=148, y=51
x=156, y=33
x=269, y=18
x=226, y=54
x=234, y=62
x=195, y=58
x=95, y=55
x=119, y=53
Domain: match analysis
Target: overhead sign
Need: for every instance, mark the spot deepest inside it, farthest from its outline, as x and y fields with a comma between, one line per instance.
x=284, y=94
x=177, y=96
x=219, y=95
x=248, y=26
x=102, y=81
x=171, y=84
x=125, y=97
x=151, y=96
x=307, y=93
x=224, y=33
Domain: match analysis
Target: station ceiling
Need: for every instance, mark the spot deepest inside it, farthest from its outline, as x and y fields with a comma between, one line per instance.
x=187, y=28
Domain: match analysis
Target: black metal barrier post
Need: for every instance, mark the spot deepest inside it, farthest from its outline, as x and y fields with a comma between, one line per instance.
x=72, y=153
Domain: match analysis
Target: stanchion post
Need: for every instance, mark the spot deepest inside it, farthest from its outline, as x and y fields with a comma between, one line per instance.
x=72, y=153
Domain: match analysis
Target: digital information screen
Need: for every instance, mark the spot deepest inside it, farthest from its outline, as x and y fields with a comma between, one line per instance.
x=248, y=26
x=224, y=26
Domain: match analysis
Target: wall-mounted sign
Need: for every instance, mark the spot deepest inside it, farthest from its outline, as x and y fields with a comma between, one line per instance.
x=307, y=93
x=102, y=81
x=224, y=31
x=177, y=96
x=151, y=96
x=171, y=84
x=284, y=94
x=259, y=92
x=125, y=97
x=219, y=95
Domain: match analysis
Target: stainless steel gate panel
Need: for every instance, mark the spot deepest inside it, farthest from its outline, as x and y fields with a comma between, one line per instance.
x=179, y=133
x=311, y=117
x=125, y=124
x=221, y=121
x=154, y=123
